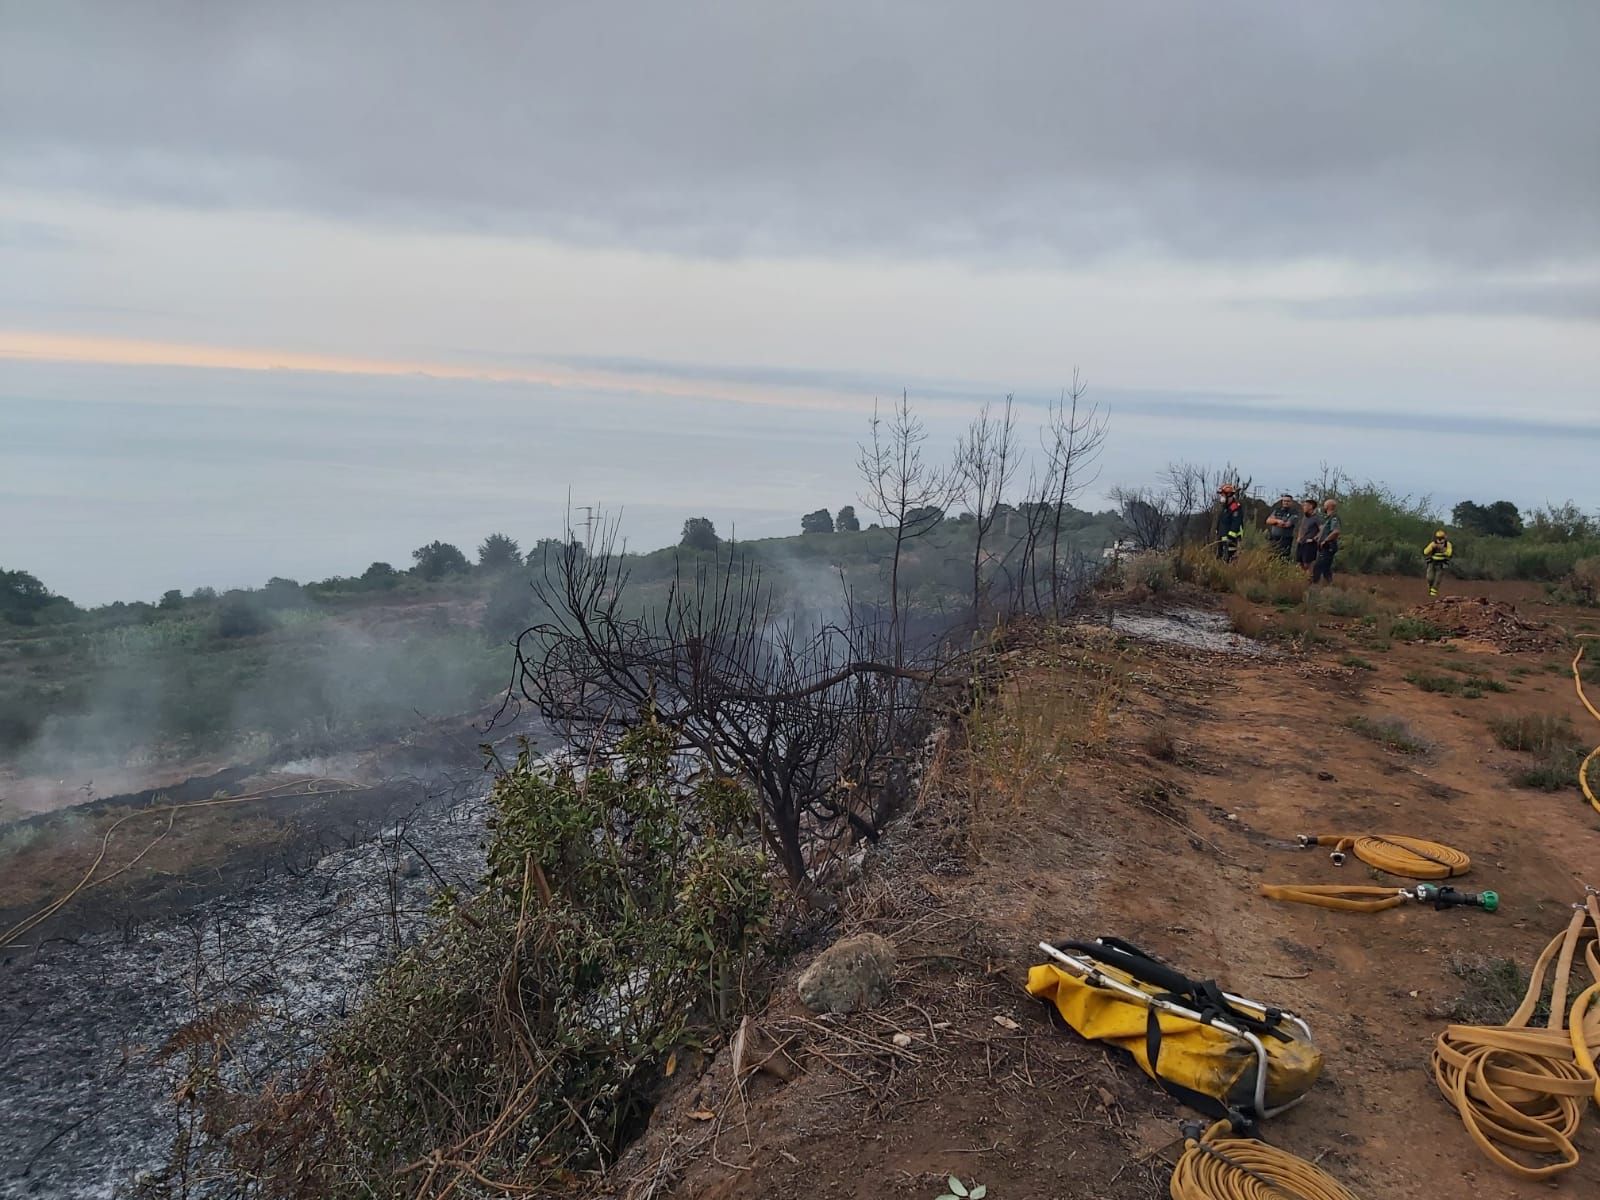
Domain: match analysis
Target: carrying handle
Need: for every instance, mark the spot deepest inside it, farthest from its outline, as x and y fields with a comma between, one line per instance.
x=1135, y=962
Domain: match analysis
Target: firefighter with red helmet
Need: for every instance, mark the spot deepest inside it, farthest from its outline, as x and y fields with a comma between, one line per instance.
x=1230, y=523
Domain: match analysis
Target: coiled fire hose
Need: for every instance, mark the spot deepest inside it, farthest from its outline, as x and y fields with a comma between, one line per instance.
x=1219, y=1167
x=1583, y=767
x=1522, y=1090
x=1395, y=853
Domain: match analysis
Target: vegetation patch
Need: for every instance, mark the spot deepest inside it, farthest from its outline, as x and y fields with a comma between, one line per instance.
x=1494, y=988
x=621, y=915
x=1414, y=629
x=1390, y=732
x=1472, y=686
x=1556, y=771
x=1534, y=733
x=1356, y=663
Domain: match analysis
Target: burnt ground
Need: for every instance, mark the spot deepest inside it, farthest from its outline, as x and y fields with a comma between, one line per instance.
x=1112, y=786
x=324, y=802
x=288, y=904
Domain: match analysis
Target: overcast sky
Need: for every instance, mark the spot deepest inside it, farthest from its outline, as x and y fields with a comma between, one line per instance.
x=666, y=256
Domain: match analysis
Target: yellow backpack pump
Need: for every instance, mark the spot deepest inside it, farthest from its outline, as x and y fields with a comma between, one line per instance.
x=1216, y=1052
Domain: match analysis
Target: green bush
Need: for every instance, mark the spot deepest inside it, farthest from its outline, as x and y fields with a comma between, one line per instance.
x=619, y=917
x=1556, y=771
x=1534, y=733
x=1414, y=629
x=1390, y=732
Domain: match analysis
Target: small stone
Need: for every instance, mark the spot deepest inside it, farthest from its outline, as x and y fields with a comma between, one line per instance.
x=901, y=1039
x=853, y=974
x=1325, y=776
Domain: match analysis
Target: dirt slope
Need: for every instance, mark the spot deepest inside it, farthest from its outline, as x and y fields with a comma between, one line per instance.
x=1145, y=790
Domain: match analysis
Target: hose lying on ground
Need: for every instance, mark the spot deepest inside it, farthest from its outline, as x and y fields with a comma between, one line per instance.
x=1583, y=767
x=1397, y=853
x=1218, y=1167
x=1524, y=1090
x=1336, y=896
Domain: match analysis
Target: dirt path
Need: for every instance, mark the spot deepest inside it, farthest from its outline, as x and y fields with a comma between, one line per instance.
x=1154, y=811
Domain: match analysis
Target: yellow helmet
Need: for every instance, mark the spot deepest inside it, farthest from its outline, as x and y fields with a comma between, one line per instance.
x=1439, y=533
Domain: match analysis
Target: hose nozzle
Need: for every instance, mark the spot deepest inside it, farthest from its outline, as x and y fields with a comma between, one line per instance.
x=1338, y=858
x=1447, y=897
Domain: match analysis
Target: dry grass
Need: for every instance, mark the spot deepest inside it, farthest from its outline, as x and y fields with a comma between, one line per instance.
x=1159, y=744
x=1534, y=733
x=1022, y=735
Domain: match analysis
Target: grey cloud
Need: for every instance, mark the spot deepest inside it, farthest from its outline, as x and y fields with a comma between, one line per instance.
x=1449, y=131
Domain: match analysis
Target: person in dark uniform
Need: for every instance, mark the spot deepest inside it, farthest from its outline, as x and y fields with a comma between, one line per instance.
x=1307, y=531
x=1230, y=523
x=1281, y=524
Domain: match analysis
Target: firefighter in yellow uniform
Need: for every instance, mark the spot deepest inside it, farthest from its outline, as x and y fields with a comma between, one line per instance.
x=1437, y=554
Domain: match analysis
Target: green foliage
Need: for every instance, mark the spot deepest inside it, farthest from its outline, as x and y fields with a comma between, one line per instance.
x=1556, y=771
x=1563, y=523
x=1534, y=733
x=1414, y=629
x=171, y=600
x=1472, y=687
x=1356, y=663
x=438, y=560
x=618, y=917
x=1500, y=519
x=847, y=521
x=499, y=553
x=958, y=1190
x=282, y=593
x=699, y=534
x=1390, y=732
x=820, y=521
x=24, y=600
x=1340, y=602
x=239, y=616
x=1494, y=990
x=380, y=576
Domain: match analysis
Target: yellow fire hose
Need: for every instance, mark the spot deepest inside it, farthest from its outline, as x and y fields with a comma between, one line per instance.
x=1218, y=1167
x=1396, y=853
x=1336, y=896
x=1583, y=767
x=1522, y=1088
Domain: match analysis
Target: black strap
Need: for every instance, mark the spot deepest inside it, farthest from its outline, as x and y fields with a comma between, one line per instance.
x=1199, y=1101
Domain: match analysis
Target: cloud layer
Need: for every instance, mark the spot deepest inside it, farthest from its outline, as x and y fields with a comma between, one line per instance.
x=1457, y=132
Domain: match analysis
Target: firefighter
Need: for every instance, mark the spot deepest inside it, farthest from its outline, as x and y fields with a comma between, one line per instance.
x=1230, y=523
x=1437, y=554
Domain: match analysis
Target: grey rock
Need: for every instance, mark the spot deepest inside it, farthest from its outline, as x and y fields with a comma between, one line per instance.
x=853, y=974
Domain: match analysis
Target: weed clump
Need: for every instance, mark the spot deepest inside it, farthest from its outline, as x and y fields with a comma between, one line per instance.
x=1390, y=732
x=1414, y=629
x=1494, y=990
x=1534, y=733
x=1472, y=686
x=1556, y=771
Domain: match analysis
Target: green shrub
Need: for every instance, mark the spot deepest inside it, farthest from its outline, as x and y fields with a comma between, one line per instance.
x=1390, y=732
x=1556, y=771
x=1473, y=686
x=1356, y=662
x=619, y=914
x=1414, y=629
x=1534, y=733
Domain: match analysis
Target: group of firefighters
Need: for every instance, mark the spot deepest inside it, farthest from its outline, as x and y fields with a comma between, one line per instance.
x=1307, y=534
